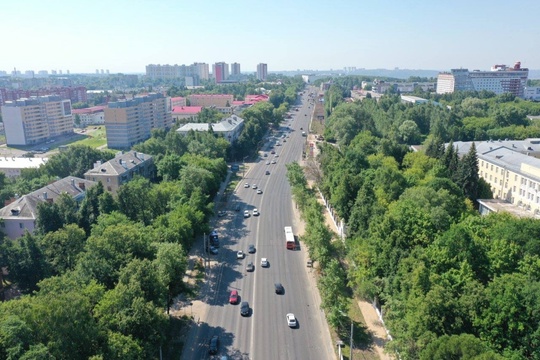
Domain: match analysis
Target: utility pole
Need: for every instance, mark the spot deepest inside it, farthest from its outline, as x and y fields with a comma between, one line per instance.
x=350, y=355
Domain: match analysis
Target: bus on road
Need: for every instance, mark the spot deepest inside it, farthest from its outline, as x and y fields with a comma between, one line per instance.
x=289, y=238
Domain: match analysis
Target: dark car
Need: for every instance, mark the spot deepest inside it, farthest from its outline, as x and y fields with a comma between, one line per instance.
x=244, y=308
x=267, y=172
x=279, y=288
x=213, y=345
x=251, y=249
x=250, y=267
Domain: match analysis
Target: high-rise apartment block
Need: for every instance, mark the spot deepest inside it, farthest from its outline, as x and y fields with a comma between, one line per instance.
x=75, y=94
x=501, y=79
x=235, y=69
x=262, y=71
x=220, y=71
x=37, y=119
x=129, y=122
x=199, y=70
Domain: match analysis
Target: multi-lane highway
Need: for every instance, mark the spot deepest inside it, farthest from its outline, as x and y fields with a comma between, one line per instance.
x=264, y=334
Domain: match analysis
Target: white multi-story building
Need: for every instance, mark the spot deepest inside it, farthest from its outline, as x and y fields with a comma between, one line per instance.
x=37, y=119
x=531, y=93
x=230, y=128
x=94, y=115
x=262, y=71
x=501, y=79
x=12, y=166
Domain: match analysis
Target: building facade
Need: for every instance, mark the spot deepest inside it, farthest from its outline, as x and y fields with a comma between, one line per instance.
x=185, y=114
x=501, y=79
x=230, y=128
x=35, y=120
x=12, y=166
x=262, y=72
x=235, y=69
x=220, y=71
x=129, y=122
x=120, y=170
x=532, y=93
x=20, y=215
x=94, y=115
x=75, y=94
x=208, y=100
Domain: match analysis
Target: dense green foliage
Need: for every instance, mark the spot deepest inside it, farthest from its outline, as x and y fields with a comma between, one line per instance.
x=452, y=284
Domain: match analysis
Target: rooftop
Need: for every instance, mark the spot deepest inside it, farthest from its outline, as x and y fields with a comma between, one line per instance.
x=186, y=110
x=90, y=110
x=21, y=162
x=120, y=164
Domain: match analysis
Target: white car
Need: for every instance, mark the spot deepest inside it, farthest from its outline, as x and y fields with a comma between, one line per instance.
x=246, y=185
x=264, y=262
x=273, y=161
x=240, y=254
x=259, y=191
x=255, y=212
x=291, y=320
x=268, y=163
x=254, y=186
x=246, y=213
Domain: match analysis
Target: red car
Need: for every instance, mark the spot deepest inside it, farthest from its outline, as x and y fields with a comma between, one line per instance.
x=233, y=298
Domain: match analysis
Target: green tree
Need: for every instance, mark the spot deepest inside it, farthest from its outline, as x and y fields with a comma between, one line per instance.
x=62, y=247
x=467, y=174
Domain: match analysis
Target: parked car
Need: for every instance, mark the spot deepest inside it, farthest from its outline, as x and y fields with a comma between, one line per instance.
x=240, y=254
x=291, y=320
x=213, y=345
x=233, y=298
x=244, y=308
x=221, y=213
x=213, y=250
x=246, y=213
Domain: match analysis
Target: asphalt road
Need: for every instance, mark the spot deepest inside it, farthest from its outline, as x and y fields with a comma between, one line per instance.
x=264, y=334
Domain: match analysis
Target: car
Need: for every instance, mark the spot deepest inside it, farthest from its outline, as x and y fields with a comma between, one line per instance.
x=254, y=186
x=278, y=144
x=250, y=267
x=233, y=298
x=276, y=155
x=284, y=140
x=291, y=320
x=268, y=163
x=237, y=207
x=265, y=155
x=273, y=161
x=279, y=288
x=264, y=262
x=267, y=172
x=213, y=250
x=213, y=345
x=256, y=212
x=244, y=308
x=251, y=249
x=259, y=191
x=301, y=128
x=272, y=152
x=246, y=185
x=246, y=213
x=240, y=254
x=221, y=213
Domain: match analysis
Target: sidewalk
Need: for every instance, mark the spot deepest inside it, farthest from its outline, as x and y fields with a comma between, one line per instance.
x=371, y=317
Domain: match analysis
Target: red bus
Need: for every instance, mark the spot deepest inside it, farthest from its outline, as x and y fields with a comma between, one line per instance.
x=289, y=238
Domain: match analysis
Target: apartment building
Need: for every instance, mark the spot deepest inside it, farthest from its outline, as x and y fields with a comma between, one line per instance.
x=20, y=215
x=531, y=93
x=512, y=171
x=235, y=69
x=208, y=100
x=501, y=79
x=380, y=86
x=12, y=166
x=185, y=114
x=75, y=94
x=262, y=72
x=129, y=122
x=94, y=115
x=178, y=101
x=230, y=128
x=35, y=120
x=199, y=71
x=120, y=170
x=220, y=71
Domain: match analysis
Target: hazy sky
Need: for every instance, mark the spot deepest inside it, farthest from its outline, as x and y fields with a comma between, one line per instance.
x=126, y=35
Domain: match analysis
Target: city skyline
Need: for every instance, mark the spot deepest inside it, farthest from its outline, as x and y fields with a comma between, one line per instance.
x=314, y=35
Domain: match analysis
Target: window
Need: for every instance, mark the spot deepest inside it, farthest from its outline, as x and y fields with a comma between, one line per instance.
x=21, y=226
x=496, y=170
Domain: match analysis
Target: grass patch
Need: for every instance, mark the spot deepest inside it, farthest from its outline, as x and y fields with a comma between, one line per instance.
x=362, y=339
x=317, y=127
x=94, y=138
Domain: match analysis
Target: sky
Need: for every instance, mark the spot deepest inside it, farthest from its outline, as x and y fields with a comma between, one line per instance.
x=126, y=35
